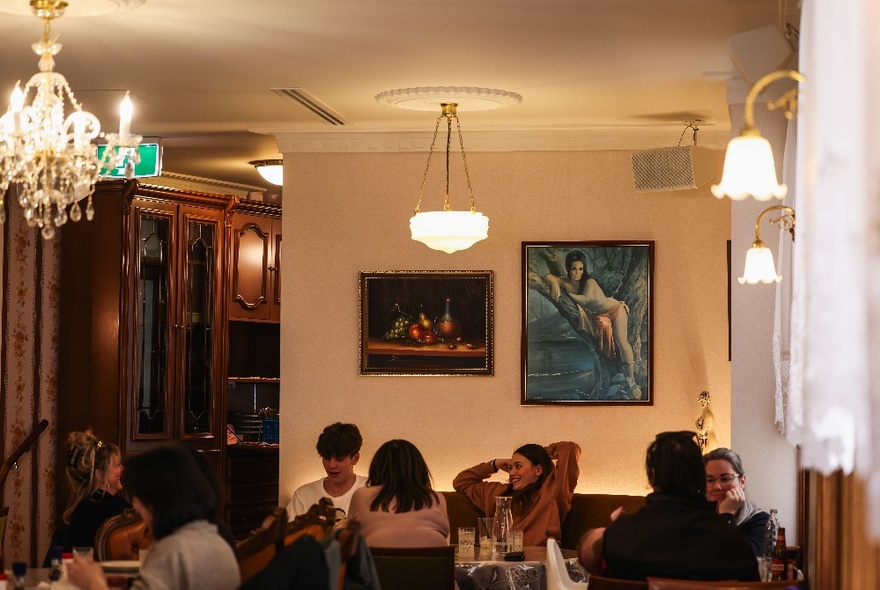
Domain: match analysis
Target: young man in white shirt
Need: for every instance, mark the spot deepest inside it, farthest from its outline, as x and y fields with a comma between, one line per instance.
x=339, y=447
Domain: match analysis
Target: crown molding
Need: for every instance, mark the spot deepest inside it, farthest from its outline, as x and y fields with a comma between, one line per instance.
x=498, y=140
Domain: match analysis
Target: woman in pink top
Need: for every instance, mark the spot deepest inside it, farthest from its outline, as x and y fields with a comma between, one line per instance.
x=398, y=508
x=541, y=491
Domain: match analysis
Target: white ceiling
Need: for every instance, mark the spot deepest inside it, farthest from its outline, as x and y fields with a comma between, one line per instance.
x=200, y=71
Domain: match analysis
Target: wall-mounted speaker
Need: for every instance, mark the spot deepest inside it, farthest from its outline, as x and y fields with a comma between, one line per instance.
x=673, y=168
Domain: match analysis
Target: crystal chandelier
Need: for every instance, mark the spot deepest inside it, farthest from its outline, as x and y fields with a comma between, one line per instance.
x=48, y=160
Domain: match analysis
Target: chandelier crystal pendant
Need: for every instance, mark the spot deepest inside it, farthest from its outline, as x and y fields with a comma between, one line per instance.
x=48, y=159
x=448, y=230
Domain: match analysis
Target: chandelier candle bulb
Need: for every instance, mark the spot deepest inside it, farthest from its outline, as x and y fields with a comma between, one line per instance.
x=125, y=111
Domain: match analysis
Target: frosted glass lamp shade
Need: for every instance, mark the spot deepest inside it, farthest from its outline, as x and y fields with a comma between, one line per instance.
x=760, y=267
x=449, y=231
x=271, y=170
x=749, y=170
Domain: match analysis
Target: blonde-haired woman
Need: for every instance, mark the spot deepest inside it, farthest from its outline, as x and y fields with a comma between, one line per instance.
x=94, y=472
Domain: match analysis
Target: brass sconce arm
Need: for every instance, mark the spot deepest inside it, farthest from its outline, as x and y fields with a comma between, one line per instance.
x=785, y=222
x=787, y=102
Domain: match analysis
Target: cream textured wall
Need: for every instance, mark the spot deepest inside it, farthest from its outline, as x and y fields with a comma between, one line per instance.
x=345, y=213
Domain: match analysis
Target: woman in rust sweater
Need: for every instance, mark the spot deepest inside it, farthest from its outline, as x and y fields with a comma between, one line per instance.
x=541, y=491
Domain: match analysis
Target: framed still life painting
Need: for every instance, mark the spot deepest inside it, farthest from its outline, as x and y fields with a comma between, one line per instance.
x=587, y=322
x=426, y=323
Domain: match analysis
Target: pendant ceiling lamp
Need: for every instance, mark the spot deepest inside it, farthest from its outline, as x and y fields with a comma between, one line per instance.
x=448, y=230
x=271, y=170
x=49, y=159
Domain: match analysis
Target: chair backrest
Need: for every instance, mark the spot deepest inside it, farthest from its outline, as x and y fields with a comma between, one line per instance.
x=121, y=537
x=594, y=510
x=257, y=551
x=557, y=572
x=461, y=512
x=425, y=568
x=4, y=516
x=317, y=522
x=602, y=583
x=672, y=584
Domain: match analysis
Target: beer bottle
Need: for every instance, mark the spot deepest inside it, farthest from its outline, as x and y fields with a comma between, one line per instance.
x=779, y=566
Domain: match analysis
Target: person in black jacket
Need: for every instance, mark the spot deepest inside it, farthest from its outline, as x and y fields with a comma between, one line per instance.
x=678, y=533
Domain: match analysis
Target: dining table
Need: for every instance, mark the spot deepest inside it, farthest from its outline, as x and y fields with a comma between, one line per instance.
x=483, y=571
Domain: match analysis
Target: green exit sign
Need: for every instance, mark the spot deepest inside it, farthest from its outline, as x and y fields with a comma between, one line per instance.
x=150, y=163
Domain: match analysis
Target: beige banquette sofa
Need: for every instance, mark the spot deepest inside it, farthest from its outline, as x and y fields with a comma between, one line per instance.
x=587, y=511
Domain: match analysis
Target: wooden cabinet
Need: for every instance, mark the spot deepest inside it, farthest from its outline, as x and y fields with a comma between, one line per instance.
x=255, y=261
x=143, y=322
x=251, y=486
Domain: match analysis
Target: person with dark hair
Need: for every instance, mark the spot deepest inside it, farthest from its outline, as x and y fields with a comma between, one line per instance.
x=171, y=493
x=340, y=449
x=94, y=472
x=678, y=533
x=398, y=507
x=725, y=486
x=604, y=318
x=541, y=491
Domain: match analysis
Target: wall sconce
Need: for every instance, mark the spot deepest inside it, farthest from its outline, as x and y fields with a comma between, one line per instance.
x=749, y=169
x=759, y=259
x=271, y=170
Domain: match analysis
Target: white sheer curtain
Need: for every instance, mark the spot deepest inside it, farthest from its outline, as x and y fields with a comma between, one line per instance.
x=835, y=321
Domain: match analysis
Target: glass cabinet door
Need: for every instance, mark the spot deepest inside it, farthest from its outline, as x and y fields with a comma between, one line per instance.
x=200, y=287
x=151, y=416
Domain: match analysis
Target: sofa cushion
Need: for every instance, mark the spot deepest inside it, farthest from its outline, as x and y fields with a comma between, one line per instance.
x=587, y=511
x=594, y=510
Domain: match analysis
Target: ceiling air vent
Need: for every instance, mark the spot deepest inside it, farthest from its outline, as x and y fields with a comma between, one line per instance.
x=305, y=99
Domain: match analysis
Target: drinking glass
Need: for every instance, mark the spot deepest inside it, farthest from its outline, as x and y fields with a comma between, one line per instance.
x=83, y=553
x=484, y=534
x=466, y=537
x=516, y=540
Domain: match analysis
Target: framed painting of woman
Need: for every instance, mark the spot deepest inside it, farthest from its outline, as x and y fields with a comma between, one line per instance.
x=587, y=322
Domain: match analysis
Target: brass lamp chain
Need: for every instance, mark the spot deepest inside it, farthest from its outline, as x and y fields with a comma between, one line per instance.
x=449, y=113
x=428, y=167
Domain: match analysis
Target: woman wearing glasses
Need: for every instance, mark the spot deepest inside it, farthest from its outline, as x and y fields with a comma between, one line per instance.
x=725, y=486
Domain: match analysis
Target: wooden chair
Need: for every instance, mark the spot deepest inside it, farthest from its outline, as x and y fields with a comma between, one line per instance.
x=257, y=551
x=317, y=522
x=672, y=584
x=425, y=568
x=121, y=537
x=557, y=572
x=602, y=583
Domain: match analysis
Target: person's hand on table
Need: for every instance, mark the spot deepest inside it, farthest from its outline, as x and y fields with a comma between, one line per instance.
x=86, y=575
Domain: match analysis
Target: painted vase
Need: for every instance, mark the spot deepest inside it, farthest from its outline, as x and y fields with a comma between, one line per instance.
x=448, y=327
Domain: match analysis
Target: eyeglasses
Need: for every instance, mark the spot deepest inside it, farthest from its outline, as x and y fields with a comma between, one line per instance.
x=725, y=480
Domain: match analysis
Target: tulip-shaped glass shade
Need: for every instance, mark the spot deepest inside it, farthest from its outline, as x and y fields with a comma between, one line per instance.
x=760, y=267
x=749, y=170
x=449, y=231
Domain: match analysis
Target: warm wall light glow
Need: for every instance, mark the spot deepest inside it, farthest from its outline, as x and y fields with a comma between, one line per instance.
x=449, y=231
x=271, y=170
x=749, y=169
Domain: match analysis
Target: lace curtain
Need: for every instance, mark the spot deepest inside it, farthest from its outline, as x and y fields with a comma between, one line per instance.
x=834, y=401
